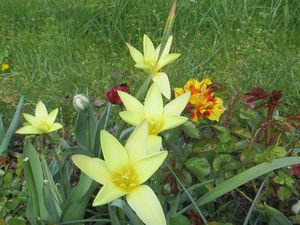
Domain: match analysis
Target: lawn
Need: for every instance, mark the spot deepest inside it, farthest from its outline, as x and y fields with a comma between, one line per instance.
x=59, y=48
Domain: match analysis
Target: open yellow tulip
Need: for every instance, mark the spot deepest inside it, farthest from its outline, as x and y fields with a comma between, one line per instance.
x=123, y=172
x=159, y=118
x=42, y=122
x=151, y=64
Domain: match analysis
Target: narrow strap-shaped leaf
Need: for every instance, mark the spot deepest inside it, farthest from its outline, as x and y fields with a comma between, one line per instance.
x=2, y=133
x=11, y=129
x=128, y=211
x=167, y=29
x=189, y=196
x=243, y=178
x=102, y=124
x=34, y=176
x=248, y=217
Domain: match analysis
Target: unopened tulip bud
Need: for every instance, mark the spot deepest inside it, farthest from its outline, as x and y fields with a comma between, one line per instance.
x=80, y=102
x=113, y=96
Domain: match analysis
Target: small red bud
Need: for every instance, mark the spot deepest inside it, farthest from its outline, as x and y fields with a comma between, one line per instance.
x=113, y=96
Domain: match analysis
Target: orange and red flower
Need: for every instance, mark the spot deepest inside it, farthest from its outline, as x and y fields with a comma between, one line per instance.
x=202, y=102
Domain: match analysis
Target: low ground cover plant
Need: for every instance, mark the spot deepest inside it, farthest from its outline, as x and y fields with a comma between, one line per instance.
x=155, y=154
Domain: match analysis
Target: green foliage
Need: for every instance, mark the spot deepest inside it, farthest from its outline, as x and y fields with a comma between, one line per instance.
x=79, y=46
x=13, y=196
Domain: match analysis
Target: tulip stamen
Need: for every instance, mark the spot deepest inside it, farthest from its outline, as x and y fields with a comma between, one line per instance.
x=125, y=179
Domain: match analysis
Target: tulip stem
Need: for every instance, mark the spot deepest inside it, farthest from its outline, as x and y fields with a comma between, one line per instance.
x=142, y=90
x=188, y=194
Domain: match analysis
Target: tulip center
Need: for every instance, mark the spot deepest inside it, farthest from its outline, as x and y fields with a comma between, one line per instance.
x=126, y=179
x=154, y=127
x=44, y=126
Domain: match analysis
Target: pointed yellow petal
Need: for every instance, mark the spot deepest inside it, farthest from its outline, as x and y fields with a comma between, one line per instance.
x=131, y=103
x=162, y=80
x=172, y=122
x=167, y=47
x=55, y=126
x=114, y=153
x=146, y=167
x=167, y=60
x=146, y=205
x=29, y=130
x=176, y=106
x=142, y=67
x=154, y=144
x=149, y=50
x=32, y=120
x=132, y=118
x=137, y=143
x=95, y=168
x=52, y=116
x=108, y=193
x=41, y=110
x=135, y=54
x=153, y=104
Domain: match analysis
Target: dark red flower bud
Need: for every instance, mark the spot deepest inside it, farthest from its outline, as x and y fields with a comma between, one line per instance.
x=113, y=96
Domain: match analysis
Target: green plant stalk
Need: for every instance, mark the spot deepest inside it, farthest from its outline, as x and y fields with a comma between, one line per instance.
x=248, y=217
x=189, y=196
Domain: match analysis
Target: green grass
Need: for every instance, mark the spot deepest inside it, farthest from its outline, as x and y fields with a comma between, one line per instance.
x=61, y=47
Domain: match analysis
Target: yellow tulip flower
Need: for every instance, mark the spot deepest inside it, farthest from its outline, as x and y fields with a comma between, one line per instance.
x=158, y=116
x=42, y=122
x=123, y=172
x=151, y=64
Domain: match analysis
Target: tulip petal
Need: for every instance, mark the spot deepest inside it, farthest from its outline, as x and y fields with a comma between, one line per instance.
x=133, y=118
x=167, y=48
x=95, y=168
x=154, y=144
x=149, y=50
x=167, y=60
x=146, y=167
x=135, y=54
x=146, y=205
x=52, y=116
x=41, y=110
x=54, y=127
x=142, y=66
x=176, y=106
x=108, y=193
x=137, y=143
x=131, y=103
x=162, y=80
x=29, y=130
x=32, y=120
x=114, y=153
x=153, y=104
x=172, y=122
